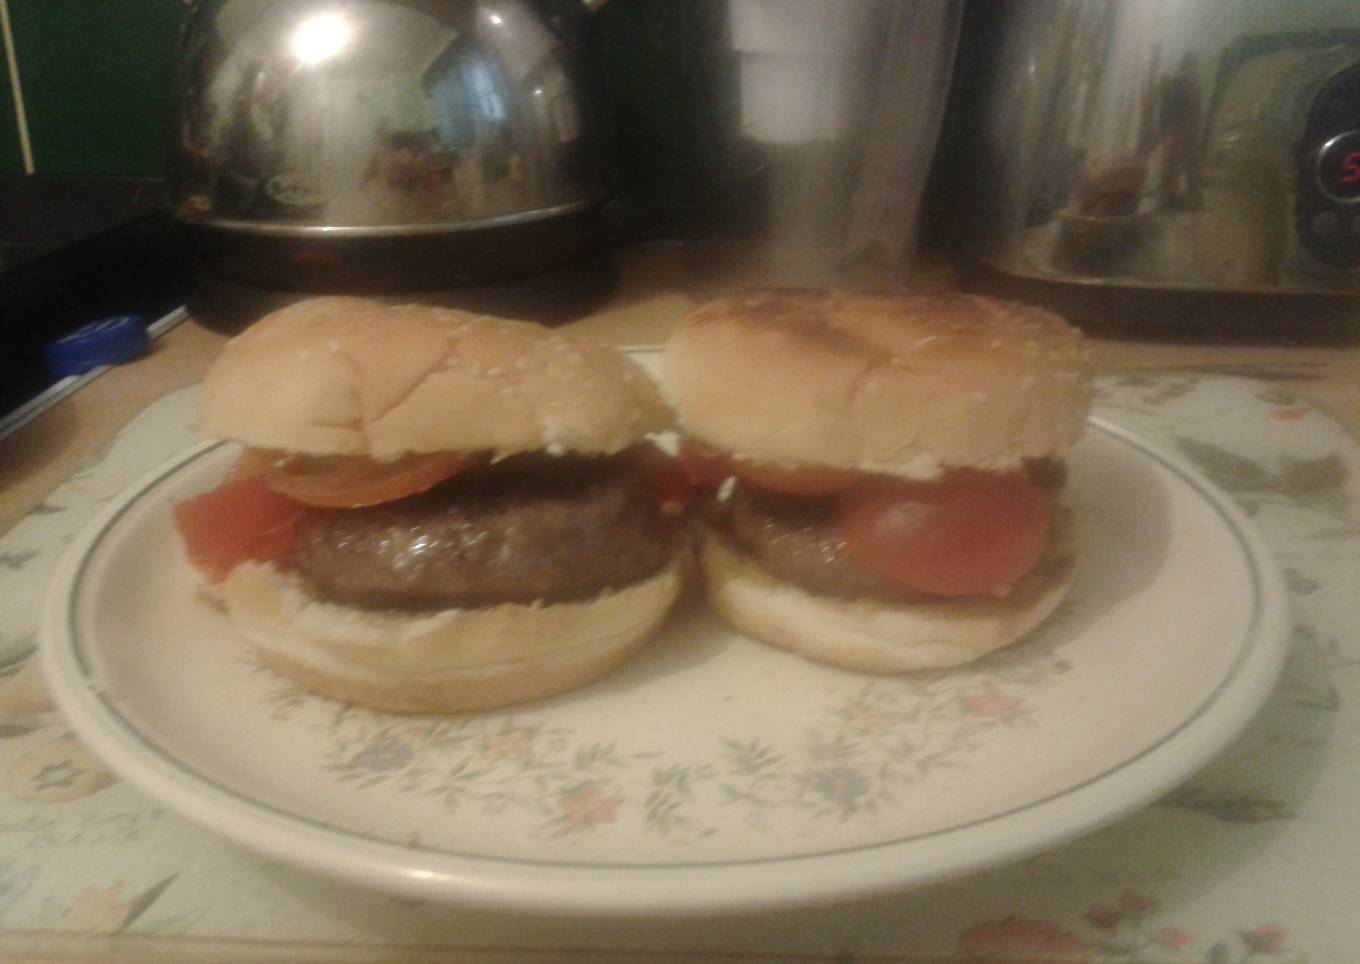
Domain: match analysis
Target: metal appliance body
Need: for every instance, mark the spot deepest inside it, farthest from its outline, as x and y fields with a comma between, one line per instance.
x=1162, y=144
x=311, y=135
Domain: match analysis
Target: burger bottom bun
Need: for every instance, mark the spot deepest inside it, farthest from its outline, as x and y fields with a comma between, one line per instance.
x=875, y=636
x=449, y=661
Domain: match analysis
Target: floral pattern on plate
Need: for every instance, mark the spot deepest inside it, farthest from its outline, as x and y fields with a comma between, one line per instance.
x=857, y=753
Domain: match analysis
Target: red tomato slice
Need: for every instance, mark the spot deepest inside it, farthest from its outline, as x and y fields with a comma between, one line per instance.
x=971, y=535
x=808, y=481
x=705, y=467
x=348, y=482
x=670, y=480
x=240, y=520
x=251, y=464
x=709, y=467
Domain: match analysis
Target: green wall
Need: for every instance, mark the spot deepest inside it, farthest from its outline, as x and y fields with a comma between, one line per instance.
x=95, y=77
x=11, y=157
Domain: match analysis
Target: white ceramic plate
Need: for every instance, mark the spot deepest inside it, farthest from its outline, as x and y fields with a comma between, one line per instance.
x=710, y=773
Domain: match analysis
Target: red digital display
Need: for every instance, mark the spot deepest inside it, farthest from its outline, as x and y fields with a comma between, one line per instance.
x=1350, y=168
x=1338, y=167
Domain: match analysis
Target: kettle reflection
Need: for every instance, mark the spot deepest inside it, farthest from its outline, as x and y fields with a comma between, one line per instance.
x=363, y=117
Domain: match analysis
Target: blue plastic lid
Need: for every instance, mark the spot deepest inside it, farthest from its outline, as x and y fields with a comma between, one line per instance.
x=104, y=342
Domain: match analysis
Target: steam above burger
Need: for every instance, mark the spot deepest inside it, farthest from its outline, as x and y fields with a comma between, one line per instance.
x=884, y=472
x=433, y=511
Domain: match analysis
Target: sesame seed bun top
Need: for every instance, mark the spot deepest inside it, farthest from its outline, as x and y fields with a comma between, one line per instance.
x=900, y=385
x=352, y=376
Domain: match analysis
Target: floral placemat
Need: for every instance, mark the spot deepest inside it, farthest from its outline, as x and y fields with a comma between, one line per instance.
x=1254, y=859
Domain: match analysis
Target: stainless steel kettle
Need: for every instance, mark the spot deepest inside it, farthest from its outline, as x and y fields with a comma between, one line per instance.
x=309, y=131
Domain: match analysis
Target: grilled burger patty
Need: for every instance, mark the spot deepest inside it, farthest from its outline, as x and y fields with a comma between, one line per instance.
x=528, y=528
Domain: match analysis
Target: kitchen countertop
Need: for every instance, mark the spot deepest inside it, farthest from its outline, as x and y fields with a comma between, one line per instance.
x=1098, y=899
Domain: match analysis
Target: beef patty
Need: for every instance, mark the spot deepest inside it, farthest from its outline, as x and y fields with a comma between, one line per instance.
x=528, y=528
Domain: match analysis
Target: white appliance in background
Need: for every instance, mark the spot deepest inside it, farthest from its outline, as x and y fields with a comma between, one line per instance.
x=837, y=114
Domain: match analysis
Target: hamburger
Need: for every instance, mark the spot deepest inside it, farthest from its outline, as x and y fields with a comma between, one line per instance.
x=883, y=473
x=433, y=511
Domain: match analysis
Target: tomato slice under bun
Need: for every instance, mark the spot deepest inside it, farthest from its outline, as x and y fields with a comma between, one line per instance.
x=350, y=482
x=707, y=466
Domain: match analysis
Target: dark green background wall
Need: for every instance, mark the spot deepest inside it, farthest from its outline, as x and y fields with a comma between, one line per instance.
x=95, y=76
x=10, y=158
